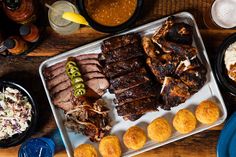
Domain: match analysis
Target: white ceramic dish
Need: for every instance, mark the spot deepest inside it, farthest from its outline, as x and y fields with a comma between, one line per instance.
x=209, y=91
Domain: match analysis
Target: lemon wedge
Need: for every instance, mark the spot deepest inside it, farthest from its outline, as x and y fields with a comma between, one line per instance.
x=74, y=17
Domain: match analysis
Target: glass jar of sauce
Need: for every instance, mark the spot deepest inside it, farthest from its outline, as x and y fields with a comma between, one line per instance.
x=20, y=11
x=58, y=24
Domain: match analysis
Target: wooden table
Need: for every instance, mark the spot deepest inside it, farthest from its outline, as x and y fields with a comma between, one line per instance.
x=25, y=71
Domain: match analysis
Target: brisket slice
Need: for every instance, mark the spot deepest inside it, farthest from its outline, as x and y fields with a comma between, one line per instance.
x=128, y=81
x=62, y=98
x=98, y=85
x=59, y=75
x=142, y=91
x=138, y=107
x=56, y=80
x=56, y=69
x=119, y=41
x=123, y=53
x=122, y=68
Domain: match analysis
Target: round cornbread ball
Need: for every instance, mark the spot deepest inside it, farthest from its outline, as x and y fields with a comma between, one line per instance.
x=85, y=150
x=184, y=121
x=134, y=138
x=207, y=112
x=159, y=130
x=110, y=147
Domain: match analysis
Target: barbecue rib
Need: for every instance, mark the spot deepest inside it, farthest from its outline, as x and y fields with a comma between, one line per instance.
x=125, y=82
x=138, y=107
x=119, y=41
x=141, y=91
x=122, y=67
x=123, y=53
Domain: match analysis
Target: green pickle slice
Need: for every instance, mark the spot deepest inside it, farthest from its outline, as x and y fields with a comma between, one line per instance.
x=74, y=74
x=70, y=63
x=79, y=92
x=78, y=86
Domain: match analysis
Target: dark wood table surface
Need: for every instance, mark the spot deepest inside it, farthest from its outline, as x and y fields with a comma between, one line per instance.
x=24, y=70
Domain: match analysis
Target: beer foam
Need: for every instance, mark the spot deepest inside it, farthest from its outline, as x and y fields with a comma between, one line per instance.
x=224, y=13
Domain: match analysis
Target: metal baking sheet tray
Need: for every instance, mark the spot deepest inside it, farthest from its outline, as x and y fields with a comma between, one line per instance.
x=209, y=91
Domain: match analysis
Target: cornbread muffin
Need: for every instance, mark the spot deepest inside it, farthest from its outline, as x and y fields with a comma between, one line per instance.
x=85, y=150
x=184, y=121
x=134, y=138
x=207, y=112
x=159, y=130
x=110, y=147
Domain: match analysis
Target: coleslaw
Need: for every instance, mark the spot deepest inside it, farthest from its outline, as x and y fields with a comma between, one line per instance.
x=15, y=113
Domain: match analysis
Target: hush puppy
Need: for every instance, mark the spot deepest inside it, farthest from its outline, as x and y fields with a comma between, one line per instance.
x=134, y=138
x=110, y=147
x=207, y=112
x=159, y=130
x=184, y=121
x=85, y=150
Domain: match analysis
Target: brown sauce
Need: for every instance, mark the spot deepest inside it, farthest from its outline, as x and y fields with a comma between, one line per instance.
x=110, y=12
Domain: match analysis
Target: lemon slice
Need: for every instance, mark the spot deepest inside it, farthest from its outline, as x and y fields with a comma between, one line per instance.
x=74, y=17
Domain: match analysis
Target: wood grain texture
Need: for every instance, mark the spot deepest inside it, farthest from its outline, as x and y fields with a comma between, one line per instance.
x=25, y=71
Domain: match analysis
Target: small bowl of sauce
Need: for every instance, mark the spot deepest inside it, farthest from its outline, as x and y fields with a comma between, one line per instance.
x=110, y=15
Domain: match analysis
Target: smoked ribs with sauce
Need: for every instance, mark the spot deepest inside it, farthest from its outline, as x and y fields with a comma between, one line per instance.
x=123, y=63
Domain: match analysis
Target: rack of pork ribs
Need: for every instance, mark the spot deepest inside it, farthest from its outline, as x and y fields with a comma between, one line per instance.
x=85, y=114
x=136, y=69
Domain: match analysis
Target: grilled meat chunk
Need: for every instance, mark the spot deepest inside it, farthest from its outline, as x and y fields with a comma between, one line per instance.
x=181, y=50
x=90, y=119
x=123, y=53
x=122, y=67
x=163, y=65
x=88, y=61
x=125, y=82
x=161, y=33
x=149, y=47
x=138, y=107
x=194, y=78
x=119, y=41
x=141, y=91
x=187, y=64
x=173, y=93
x=180, y=33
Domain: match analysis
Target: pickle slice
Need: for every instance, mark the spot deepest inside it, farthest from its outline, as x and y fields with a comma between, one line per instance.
x=76, y=74
x=78, y=85
x=70, y=63
x=79, y=92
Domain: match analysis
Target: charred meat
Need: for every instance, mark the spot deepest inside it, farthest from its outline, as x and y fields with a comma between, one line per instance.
x=122, y=83
x=173, y=92
x=90, y=119
x=123, y=67
x=119, y=41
